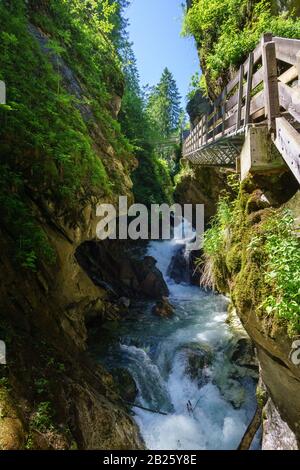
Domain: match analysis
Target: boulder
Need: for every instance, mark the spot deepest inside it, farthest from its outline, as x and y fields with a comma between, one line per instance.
x=199, y=356
x=163, y=308
x=243, y=354
x=152, y=283
x=179, y=266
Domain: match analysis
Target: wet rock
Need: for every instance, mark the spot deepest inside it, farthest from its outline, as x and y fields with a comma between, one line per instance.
x=179, y=267
x=127, y=274
x=152, y=283
x=232, y=391
x=124, y=301
x=276, y=433
x=243, y=354
x=126, y=384
x=163, y=308
x=199, y=357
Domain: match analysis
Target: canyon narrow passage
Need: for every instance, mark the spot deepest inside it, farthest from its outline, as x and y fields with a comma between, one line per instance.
x=185, y=366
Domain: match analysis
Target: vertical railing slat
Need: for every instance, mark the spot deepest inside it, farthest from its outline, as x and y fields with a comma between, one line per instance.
x=249, y=89
x=240, y=98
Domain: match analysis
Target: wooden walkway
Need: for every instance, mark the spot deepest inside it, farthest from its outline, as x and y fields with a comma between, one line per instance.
x=265, y=92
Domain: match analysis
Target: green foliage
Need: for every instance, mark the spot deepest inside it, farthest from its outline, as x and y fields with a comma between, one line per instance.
x=41, y=385
x=282, y=269
x=48, y=127
x=226, y=31
x=152, y=181
x=42, y=419
x=261, y=260
x=163, y=106
x=214, y=237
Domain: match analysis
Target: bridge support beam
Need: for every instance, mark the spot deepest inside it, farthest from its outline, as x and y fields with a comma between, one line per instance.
x=259, y=154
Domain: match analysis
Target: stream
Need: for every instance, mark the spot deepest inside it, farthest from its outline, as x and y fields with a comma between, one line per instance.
x=163, y=357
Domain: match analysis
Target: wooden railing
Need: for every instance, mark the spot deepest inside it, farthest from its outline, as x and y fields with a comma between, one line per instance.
x=258, y=94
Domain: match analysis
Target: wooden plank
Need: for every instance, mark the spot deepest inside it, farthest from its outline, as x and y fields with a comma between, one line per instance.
x=249, y=88
x=232, y=102
x=206, y=128
x=287, y=49
x=258, y=114
x=289, y=99
x=214, y=122
x=270, y=83
x=257, y=103
x=257, y=53
x=231, y=121
x=257, y=78
x=290, y=75
x=223, y=109
x=233, y=83
x=240, y=99
x=2, y=93
x=288, y=144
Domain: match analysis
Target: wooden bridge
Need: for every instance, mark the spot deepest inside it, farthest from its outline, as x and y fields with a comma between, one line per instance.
x=265, y=95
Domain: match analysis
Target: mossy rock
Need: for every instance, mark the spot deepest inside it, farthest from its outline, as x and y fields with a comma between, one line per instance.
x=126, y=384
x=12, y=433
x=234, y=258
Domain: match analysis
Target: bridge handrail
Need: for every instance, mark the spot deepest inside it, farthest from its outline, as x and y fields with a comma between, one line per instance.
x=256, y=94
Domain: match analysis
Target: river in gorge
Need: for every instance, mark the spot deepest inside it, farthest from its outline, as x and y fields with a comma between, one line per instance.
x=161, y=355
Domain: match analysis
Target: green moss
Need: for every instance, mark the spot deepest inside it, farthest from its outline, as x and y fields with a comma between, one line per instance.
x=258, y=256
x=50, y=124
x=261, y=396
x=226, y=31
x=234, y=258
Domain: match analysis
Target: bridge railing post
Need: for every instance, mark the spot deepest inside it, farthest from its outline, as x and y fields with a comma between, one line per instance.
x=223, y=109
x=206, y=128
x=240, y=98
x=271, y=92
x=249, y=88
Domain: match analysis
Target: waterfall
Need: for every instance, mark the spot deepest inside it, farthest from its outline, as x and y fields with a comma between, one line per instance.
x=182, y=366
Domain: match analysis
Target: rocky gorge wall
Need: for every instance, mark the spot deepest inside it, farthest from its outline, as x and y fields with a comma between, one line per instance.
x=52, y=396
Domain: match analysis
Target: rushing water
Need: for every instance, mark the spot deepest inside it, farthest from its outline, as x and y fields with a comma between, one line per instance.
x=156, y=351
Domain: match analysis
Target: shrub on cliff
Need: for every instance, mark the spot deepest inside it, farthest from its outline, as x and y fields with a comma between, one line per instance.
x=226, y=31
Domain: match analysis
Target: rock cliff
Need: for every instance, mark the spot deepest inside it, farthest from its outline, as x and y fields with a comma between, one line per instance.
x=52, y=396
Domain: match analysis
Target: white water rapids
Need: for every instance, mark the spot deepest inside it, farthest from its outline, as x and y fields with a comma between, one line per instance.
x=154, y=350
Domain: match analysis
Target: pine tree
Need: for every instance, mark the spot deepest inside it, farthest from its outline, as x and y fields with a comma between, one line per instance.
x=164, y=105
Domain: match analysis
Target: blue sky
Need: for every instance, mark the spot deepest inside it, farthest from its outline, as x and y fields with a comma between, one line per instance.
x=154, y=29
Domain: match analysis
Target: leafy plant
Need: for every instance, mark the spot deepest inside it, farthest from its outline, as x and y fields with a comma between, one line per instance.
x=282, y=270
x=42, y=419
x=226, y=31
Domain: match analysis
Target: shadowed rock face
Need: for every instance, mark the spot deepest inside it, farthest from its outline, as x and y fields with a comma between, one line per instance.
x=43, y=316
x=202, y=185
x=126, y=384
x=111, y=265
